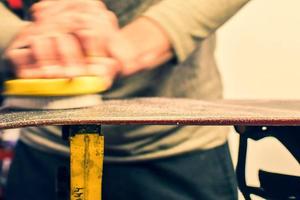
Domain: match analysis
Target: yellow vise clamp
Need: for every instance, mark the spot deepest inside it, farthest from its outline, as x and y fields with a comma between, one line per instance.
x=86, y=161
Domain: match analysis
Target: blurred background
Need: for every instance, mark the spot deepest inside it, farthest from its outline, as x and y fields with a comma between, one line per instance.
x=258, y=54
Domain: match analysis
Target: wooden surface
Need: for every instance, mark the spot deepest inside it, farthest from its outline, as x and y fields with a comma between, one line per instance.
x=163, y=111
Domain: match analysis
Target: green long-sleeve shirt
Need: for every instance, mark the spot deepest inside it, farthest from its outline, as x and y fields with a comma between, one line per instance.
x=189, y=25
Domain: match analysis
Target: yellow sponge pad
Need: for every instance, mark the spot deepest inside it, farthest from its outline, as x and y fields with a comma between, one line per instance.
x=56, y=87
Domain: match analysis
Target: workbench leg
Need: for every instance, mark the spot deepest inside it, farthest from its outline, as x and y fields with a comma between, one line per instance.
x=241, y=167
x=86, y=162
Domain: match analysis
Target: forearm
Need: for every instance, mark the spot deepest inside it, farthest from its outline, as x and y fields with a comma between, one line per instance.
x=10, y=26
x=149, y=38
x=186, y=22
x=148, y=46
x=170, y=28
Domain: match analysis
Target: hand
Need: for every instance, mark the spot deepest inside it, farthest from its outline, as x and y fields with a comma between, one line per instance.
x=89, y=21
x=141, y=45
x=55, y=55
x=47, y=49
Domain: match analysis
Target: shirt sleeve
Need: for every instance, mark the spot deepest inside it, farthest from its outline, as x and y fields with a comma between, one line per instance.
x=10, y=25
x=188, y=21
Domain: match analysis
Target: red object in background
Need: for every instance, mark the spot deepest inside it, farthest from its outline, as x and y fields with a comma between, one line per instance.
x=15, y=4
x=4, y=154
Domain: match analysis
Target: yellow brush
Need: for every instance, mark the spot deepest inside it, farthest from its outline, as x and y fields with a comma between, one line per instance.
x=59, y=93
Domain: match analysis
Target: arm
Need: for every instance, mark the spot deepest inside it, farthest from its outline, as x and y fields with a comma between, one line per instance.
x=10, y=25
x=183, y=22
x=142, y=44
x=169, y=27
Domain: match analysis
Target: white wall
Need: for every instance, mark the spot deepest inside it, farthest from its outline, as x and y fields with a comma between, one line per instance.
x=259, y=56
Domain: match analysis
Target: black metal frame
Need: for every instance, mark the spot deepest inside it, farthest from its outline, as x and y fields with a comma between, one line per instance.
x=273, y=185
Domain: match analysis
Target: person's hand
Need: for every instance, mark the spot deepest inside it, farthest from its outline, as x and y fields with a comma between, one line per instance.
x=141, y=45
x=90, y=21
x=47, y=49
x=36, y=54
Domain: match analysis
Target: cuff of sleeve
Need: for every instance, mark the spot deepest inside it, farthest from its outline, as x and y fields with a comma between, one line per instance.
x=173, y=21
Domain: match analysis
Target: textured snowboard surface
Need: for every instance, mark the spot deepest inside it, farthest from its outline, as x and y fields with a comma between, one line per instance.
x=162, y=111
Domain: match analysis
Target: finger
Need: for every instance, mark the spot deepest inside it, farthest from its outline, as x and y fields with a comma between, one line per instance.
x=92, y=43
x=111, y=17
x=45, y=9
x=57, y=24
x=50, y=71
x=104, y=21
x=22, y=60
x=21, y=41
x=44, y=51
x=103, y=66
x=94, y=34
x=37, y=9
x=46, y=57
x=69, y=22
x=106, y=68
x=34, y=62
x=30, y=73
x=70, y=55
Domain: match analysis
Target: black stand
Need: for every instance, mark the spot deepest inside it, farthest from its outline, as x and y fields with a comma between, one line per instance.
x=272, y=185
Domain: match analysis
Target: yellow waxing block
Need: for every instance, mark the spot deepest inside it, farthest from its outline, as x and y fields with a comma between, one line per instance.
x=55, y=87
